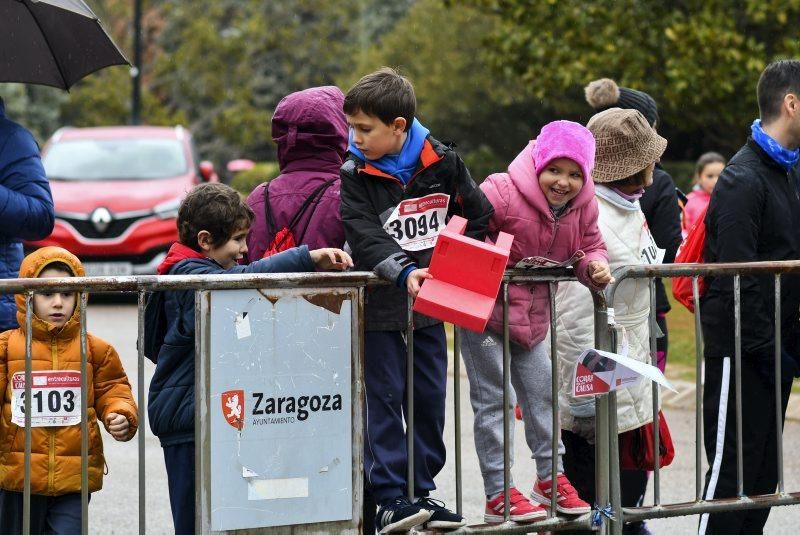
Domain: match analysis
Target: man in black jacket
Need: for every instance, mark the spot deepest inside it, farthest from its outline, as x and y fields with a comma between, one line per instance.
x=754, y=215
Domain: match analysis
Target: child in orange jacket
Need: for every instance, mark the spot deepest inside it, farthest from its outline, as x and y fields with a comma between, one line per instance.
x=56, y=404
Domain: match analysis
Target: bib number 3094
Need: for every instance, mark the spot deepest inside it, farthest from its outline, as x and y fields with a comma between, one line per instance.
x=415, y=224
x=55, y=398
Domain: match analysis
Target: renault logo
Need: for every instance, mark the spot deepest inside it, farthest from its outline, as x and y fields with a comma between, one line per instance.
x=101, y=218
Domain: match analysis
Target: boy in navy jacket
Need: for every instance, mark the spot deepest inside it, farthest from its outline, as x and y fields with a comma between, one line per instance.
x=213, y=222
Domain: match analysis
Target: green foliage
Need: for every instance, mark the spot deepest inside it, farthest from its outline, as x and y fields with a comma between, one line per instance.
x=245, y=181
x=459, y=98
x=488, y=73
x=699, y=60
x=34, y=107
x=225, y=64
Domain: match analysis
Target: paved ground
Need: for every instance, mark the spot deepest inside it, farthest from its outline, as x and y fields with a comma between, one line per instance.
x=114, y=510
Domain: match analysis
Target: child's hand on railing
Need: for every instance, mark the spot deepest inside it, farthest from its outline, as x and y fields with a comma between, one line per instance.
x=331, y=258
x=600, y=273
x=118, y=426
x=415, y=280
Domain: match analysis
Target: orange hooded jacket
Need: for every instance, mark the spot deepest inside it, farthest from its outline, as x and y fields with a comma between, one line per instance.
x=56, y=451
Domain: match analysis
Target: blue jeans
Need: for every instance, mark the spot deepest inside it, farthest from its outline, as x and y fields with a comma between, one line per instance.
x=50, y=515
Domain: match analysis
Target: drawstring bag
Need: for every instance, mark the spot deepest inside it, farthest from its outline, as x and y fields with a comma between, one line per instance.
x=691, y=252
x=284, y=239
x=636, y=446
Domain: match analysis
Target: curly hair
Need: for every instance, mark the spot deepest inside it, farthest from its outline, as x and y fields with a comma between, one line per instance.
x=216, y=208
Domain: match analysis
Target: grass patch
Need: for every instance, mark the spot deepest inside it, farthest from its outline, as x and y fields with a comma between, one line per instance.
x=682, y=355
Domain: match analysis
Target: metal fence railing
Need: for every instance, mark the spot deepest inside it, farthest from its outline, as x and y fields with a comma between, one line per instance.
x=658, y=509
x=607, y=481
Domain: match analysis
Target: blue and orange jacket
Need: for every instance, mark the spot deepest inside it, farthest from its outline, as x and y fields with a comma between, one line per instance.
x=368, y=198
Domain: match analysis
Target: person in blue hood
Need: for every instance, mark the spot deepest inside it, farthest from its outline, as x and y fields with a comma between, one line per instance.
x=26, y=205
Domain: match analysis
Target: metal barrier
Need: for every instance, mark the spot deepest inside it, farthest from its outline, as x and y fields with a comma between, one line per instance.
x=700, y=505
x=607, y=473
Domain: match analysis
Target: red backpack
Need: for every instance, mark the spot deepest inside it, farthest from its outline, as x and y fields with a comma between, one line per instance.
x=691, y=252
x=284, y=239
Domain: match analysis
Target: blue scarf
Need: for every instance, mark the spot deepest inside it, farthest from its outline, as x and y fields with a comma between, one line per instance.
x=403, y=164
x=784, y=157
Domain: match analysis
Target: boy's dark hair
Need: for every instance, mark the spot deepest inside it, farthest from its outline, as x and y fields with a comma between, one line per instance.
x=707, y=158
x=217, y=208
x=58, y=266
x=385, y=94
x=778, y=79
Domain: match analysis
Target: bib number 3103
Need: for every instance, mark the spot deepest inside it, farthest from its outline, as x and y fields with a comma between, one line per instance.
x=415, y=224
x=55, y=398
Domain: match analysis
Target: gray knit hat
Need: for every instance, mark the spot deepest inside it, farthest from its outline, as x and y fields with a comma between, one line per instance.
x=604, y=93
x=626, y=144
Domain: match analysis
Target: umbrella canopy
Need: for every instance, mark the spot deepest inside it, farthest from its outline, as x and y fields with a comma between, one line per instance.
x=52, y=42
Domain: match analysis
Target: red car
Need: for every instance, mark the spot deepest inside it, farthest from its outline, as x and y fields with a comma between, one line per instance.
x=117, y=191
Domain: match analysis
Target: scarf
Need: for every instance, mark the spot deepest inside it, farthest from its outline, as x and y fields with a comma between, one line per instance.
x=784, y=157
x=630, y=197
x=403, y=164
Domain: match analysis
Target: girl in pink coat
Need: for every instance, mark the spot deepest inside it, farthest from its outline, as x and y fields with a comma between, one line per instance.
x=706, y=173
x=546, y=200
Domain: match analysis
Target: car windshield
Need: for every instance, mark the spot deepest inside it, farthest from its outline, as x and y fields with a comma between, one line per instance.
x=115, y=159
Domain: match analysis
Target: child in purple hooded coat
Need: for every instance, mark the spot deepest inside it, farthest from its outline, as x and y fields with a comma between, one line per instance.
x=310, y=130
x=546, y=200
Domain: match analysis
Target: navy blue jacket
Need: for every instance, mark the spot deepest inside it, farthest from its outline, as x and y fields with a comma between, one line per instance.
x=170, y=403
x=26, y=205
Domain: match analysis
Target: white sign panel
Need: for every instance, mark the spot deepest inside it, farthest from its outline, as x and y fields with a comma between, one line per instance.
x=280, y=408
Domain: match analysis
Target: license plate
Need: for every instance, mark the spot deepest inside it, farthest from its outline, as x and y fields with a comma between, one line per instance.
x=107, y=269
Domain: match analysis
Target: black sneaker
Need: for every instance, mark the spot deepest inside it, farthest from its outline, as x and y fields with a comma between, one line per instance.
x=400, y=515
x=441, y=516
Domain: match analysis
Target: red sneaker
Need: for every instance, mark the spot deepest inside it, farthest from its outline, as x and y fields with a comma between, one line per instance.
x=522, y=510
x=568, y=501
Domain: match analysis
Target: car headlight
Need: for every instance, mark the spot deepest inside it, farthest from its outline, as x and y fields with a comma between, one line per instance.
x=167, y=209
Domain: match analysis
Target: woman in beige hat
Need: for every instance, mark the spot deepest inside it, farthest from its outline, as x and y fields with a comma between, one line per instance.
x=627, y=151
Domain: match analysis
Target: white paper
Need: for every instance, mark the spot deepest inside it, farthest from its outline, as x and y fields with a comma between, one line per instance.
x=276, y=489
x=242, y=326
x=594, y=374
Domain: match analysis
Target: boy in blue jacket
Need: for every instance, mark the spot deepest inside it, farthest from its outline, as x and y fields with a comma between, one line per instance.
x=399, y=188
x=213, y=222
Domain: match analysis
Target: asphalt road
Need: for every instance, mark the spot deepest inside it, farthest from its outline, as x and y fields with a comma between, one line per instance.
x=114, y=510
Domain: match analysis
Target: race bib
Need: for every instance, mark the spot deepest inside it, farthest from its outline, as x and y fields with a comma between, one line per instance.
x=648, y=250
x=55, y=398
x=415, y=224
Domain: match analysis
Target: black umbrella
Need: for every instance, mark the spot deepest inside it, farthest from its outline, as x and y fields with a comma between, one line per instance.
x=52, y=42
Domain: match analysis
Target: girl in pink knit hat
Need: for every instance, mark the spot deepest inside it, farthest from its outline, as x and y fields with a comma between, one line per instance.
x=546, y=200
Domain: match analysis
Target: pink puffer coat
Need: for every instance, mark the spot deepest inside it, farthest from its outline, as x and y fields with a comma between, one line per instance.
x=521, y=209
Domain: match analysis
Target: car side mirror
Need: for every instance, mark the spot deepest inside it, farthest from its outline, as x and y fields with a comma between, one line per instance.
x=207, y=172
